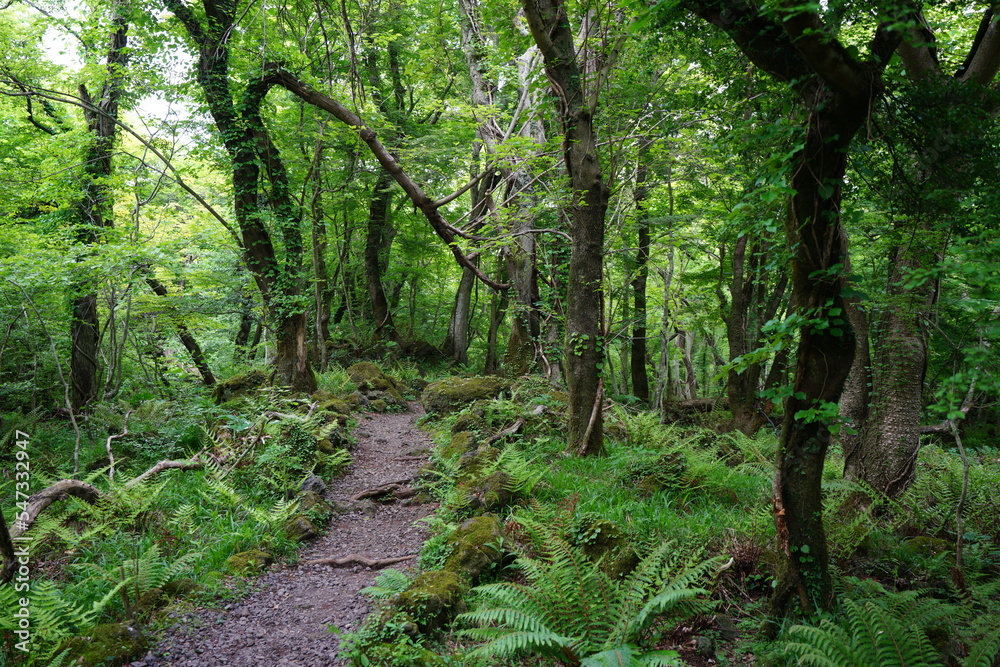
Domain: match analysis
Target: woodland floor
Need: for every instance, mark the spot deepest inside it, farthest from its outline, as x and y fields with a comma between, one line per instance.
x=285, y=619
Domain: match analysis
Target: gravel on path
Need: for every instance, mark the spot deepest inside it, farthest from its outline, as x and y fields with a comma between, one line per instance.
x=285, y=620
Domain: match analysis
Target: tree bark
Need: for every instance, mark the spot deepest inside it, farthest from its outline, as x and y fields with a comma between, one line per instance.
x=551, y=31
x=378, y=224
x=456, y=343
x=637, y=360
x=94, y=209
x=838, y=92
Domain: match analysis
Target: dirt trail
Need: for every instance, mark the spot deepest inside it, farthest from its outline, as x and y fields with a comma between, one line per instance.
x=285, y=620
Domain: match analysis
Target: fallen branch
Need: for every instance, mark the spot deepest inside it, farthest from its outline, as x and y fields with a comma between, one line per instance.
x=347, y=561
x=45, y=497
x=164, y=465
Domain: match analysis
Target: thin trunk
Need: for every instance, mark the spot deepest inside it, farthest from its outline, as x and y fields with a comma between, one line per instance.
x=456, y=344
x=637, y=362
x=378, y=223
x=189, y=342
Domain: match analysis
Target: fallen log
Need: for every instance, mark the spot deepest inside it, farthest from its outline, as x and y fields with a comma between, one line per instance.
x=58, y=491
x=347, y=561
x=85, y=492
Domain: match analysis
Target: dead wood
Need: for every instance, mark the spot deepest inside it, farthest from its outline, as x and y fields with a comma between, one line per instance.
x=45, y=497
x=347, y=561
x=164, y=465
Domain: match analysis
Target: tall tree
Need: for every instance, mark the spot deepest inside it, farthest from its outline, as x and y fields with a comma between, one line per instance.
x=935, y=126
x=94, y=209
x=250, y=149
x=792, y=43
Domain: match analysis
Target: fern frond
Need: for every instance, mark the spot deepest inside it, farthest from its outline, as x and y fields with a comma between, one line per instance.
x=983, y=652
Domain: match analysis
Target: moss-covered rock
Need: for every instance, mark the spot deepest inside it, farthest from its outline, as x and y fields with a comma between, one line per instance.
x=107, y=645
x=149, y=603
x=314, y=506
x=378, y=405
x=336, y=438
x=182, y=587
x=432, y=598
x=237, y=385
x=461, y=443
x=927, y=546
x=249, y=562
x=667, y=471
x=476, y=545
x=450, y=394
x=606, y=544
x=490, y=493
x=338, y=406
x=300, y=529
x=368, y=376
x=468, y=421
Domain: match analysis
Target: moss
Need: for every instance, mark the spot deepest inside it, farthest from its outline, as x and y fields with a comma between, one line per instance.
x=468, y=422
x=927, y=546
x=605, y=543
x=476, y=545
x=110, y=644
x=432, y=598
x=182, y=587
x=300, y=529
x=495, y=491
x=368, y=376
x=249, y=562
x=378, y=405
x=338, y=406
x=461, y=443
x=336, y=436
x=149, y=602
x=450, y=394
x=313, y=505
x=238, y=384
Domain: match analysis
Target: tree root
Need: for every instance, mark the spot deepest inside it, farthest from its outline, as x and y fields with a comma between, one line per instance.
x=382, y=489
x=347, y=561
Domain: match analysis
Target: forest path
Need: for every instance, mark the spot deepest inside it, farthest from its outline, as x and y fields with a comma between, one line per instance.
x=285, y=619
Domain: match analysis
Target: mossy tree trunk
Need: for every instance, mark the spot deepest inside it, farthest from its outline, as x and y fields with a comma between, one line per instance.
x=584, y=352
x=837, y=91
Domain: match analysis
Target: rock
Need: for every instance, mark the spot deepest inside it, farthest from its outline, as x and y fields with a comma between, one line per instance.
x=300, y=529
x=431, y=599
x=181, y=587
x=469, y=422
x=338, y=406
x=237, y=385
x=703, y=646
x=461, y=443
x=417, y=451
x=729, y=631
x=476, y=545
x=368, y=376
x=109, y=644
x=605, y=544
x=149, y=602
x=378, y=405
x=926, y=546
x=450, y=394
x=493, y=492
x=249, y=562
x=313, y=484
x=313, y=505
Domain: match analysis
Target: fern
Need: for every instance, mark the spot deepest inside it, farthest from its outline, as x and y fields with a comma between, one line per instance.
x=144, y=573
x=387, y=583
x=884, y=632
x=53, y=618
x=570, y=609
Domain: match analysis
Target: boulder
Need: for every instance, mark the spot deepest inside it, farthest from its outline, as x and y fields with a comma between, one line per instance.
x=249, y=562
x=109, y=644
x=431, y=599
x=312, y=484
x=476, y=545
x=451, y=394
x=300, y=529
x=461, y=443
x=367, y=376
x=605, y=544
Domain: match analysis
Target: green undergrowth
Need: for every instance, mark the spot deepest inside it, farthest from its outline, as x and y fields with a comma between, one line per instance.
x=144, y=547
x=576, y=531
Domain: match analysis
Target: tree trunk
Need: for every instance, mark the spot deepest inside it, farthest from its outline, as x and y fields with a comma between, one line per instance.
x=637, y=361
x=378, y=223
x=189, y=342
x=456, y=344
x=838, y=92
x=550, y=29
x=95, y=211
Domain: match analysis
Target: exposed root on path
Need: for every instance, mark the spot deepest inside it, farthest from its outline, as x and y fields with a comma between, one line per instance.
x=347, y=561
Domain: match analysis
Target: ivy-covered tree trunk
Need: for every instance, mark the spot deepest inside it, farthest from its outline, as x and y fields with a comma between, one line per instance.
x=584, y=351
x=248, y=146
x=937, y=165
x=837, y=91
x=94, y=211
